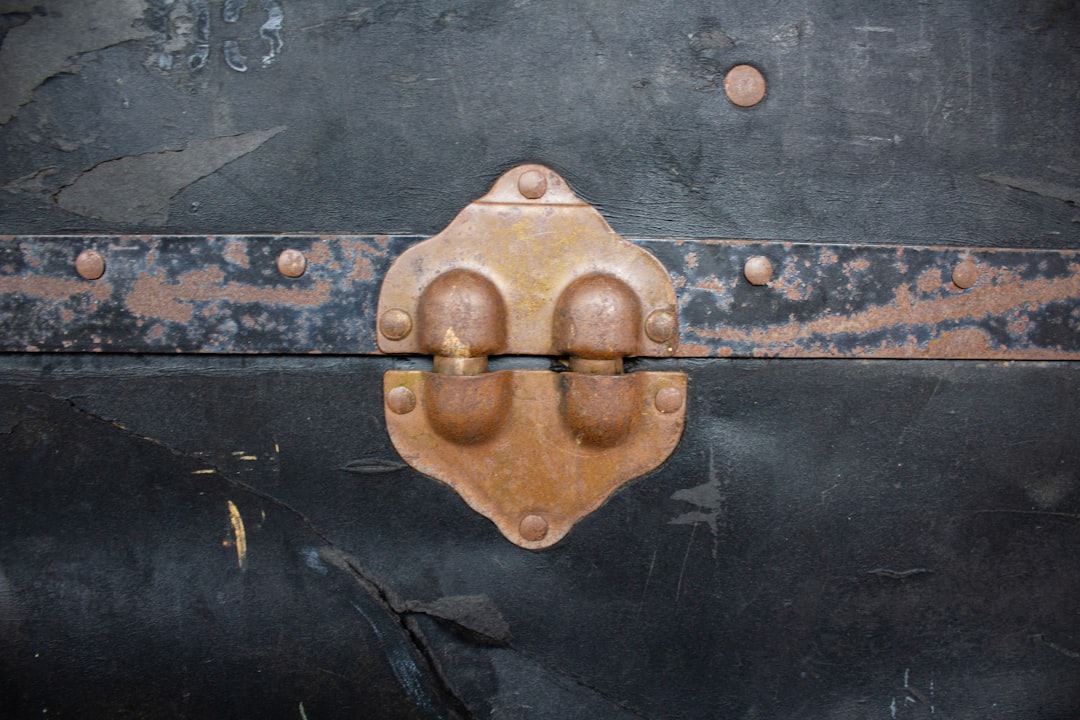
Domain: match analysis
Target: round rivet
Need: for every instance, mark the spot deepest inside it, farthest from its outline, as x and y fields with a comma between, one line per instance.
x=533, y=528
x=90, y=265
x=395, y=324
x=291, y=263
x=401, y=400
x=758, y=270
x=532, y=184
x=661, y=325
x=668, y=400
x=744, y=85
x=965, y=275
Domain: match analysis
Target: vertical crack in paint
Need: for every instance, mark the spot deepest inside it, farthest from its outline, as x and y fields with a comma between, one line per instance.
x=240, y=533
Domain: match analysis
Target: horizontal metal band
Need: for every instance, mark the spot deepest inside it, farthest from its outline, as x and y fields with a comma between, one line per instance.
x=226, y=294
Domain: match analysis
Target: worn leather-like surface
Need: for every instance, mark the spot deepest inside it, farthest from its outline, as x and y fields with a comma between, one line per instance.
x=943, y=122
x=830, y=539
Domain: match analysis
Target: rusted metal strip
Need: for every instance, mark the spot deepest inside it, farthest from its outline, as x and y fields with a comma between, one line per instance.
x=875, y=301
x=227, y=294
x=198, y=294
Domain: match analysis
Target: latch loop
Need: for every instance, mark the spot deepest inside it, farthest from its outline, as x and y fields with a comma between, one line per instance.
x=531, y=269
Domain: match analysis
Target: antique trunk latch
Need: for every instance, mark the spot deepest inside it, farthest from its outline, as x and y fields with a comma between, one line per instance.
x=531, y=269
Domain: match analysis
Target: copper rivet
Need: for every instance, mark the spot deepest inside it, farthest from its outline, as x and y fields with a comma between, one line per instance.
x=90, y=265
x=395, y=324
x=401, y=400
x=744, y=85
x=668, y=400
x=533, y=528
x=661, y=325
x=532, y=184
x=965, y=275
x=291, y=263
x=758, y=270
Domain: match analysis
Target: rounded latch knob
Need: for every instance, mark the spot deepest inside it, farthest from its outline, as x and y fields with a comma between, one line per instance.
x=461, y=317
x=597, y=318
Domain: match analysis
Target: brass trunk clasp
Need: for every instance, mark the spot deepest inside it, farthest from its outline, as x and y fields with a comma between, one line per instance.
x=531, y=269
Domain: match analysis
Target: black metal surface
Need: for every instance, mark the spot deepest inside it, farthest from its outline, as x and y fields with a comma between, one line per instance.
x=913, y=552
x=225, y=294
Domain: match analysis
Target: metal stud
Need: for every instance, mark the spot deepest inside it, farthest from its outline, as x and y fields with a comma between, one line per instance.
x=291, y=263
x=90, y=265
x=758, y=270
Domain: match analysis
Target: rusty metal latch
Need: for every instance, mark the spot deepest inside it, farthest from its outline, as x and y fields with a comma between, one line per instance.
x=531, y=269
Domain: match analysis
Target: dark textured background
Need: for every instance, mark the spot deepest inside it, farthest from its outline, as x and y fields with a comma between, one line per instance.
x=831, y=539
x=953, y=122
x=826, y=533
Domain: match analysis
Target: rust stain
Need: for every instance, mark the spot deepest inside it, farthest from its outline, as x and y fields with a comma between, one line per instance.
x=857, y=265
x=357, y=250
x=154, y=297
x=929, y=281
x=54, y=289
x=319, y=252
x=790, y=284
x=712, y=284
x=694, y=350
x=236, y=253
x=1002, y=293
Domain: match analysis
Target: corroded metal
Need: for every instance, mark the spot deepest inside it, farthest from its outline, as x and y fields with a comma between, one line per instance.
x=225, y=294
x=291, y=263
x=531, y=251
x=758, y=270
x=874, y=301
x=744, y=85
x=90, y=265
x=530, y=269
x=513, y=453
x=213, y=294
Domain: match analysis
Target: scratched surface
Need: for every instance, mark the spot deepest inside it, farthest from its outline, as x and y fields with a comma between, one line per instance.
x=225, y=294
x=911, y=555
x=947, y=122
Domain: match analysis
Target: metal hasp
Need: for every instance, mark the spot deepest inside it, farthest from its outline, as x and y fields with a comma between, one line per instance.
x=530, y=269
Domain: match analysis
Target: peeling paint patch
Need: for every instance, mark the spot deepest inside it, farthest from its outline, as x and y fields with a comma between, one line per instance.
x=47, y=45
x=239, y=533
x=138, y=188
x=32, y=183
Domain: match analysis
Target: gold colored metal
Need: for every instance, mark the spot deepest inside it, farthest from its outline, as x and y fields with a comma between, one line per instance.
x=401, y=400
x=395, y=323
x=510, y=450
x=530, y=269
x=530, y=251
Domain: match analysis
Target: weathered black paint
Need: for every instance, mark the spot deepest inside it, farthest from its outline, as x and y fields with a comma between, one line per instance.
x=923, y=530
x=827, y=533
x=948, y=122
